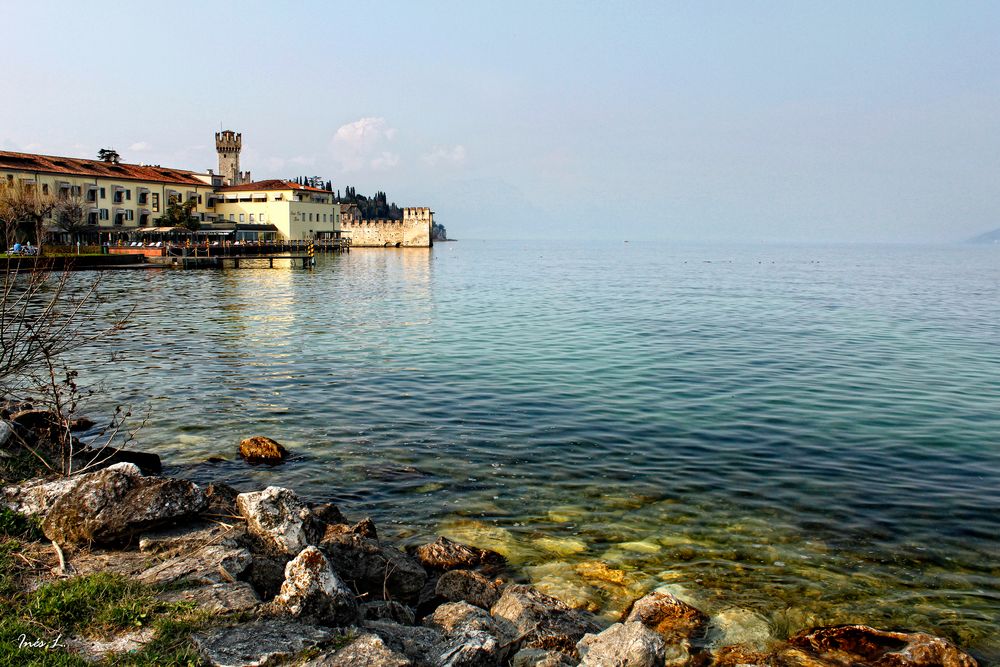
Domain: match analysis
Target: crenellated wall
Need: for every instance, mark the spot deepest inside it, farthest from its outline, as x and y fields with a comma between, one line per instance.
x=413, y=231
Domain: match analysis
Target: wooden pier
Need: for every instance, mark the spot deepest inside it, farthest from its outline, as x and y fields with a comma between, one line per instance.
x=233, y=261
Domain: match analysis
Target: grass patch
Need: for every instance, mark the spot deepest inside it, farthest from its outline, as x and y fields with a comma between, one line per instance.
x=21, y=465
x=96, y=605
x=13, y=524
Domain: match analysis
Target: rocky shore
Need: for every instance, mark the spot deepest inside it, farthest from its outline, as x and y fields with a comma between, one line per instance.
x=264, y=577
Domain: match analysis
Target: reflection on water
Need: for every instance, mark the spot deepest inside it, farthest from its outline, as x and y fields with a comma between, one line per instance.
x=806, y=433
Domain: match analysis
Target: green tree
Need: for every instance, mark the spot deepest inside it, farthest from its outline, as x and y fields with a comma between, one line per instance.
x=109, y=155
x=70, y=215
x=180, y=214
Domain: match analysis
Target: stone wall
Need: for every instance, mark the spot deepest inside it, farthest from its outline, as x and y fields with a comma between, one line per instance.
x=413, y=231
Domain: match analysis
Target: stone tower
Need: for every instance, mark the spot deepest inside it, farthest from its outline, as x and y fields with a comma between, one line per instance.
x=228, y=145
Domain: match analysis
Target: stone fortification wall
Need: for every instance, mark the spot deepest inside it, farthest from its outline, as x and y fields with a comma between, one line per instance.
x=413, y=231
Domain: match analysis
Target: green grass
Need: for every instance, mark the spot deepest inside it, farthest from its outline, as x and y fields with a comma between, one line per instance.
x=17, y=525
x=96, y=605
x=21, y=465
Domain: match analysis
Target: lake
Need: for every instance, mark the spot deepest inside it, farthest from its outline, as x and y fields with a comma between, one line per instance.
x=811, y=433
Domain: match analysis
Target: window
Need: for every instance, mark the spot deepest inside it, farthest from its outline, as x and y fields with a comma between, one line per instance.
x=143, y=219
x=45, y=188
x=156, y=201
x=128, y=195
x=92, y=218
x=119, y=196
x=142, y=198
x=104, y=195
x=130, y=215
x=75, y=190
x=231, y=217
x=104, y=214
x=251, y=217
x=92, y=194
x=242, y=218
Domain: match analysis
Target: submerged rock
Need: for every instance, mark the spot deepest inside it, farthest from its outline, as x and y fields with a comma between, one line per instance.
x=263, y=642
x=261, y=449
x=313, y=591
x=622, y=645
x=95, y=459
x=115, y=503
x=277, y=516
x=670, y=617
x=864, y=645
x=468, y=586
x=735, y=626
x=444, y=554
x=543, y=621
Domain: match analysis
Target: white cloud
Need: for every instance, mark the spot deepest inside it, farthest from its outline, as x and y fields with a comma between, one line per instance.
x=385, y=161
x=445, y=156
x=364, y=143
x=140, y=146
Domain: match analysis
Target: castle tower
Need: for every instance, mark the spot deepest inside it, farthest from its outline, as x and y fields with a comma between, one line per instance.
x=228, y=145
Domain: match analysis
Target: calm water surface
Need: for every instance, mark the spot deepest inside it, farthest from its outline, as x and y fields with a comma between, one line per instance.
x=810, y=433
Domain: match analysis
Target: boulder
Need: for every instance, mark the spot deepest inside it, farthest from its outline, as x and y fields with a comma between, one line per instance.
x=261, y=449
x=263, y=642
x=629, y=644
x=190, y=536
x=543, y=621
x=473, y=648
x=37, y=419
x=863, y=645
x=673, y=619
x=95, y=459
x=368, y=650
x=36, y=496
x=468, y=586
x=364, y=528
x=443, y=554
x=81, y=424
x=461, y=617
x=387, y=610
x=224, y=598
x=536, y=657
x=381, y=572
x=314, y=592
x=328, y=513
x=211, y=564
x=116, y=503
x=279, y=518
x=6, y=433
x=419, y=644
x=221, y=499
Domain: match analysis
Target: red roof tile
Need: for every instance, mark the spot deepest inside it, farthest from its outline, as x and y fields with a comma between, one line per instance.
x=273, y=184
x=71, y=166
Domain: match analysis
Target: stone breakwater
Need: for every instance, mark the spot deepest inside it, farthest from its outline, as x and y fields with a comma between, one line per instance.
x=290, y=582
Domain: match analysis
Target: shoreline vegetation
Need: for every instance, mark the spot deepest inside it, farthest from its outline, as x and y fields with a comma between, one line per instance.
x=120, y=565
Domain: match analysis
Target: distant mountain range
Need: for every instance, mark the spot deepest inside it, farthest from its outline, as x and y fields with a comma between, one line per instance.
x=988, y=237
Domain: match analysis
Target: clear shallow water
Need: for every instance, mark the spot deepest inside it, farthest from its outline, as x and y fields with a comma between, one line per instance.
x=812, y=433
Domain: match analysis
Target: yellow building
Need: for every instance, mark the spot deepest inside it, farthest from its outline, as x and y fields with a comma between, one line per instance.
x=116, y=197
x=297, y=211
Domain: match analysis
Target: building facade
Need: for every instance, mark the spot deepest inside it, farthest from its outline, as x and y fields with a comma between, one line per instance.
x=124, y=201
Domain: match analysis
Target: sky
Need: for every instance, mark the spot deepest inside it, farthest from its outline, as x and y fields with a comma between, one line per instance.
x=735, y=121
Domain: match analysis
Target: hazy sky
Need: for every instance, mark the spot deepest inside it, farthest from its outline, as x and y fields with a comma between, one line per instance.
x=745, y=121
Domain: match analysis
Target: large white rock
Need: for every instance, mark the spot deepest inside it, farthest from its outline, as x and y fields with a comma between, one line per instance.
x=313, y=591
x=278, y=517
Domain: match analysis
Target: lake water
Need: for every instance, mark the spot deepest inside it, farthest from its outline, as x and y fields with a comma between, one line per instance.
x=811, y=433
